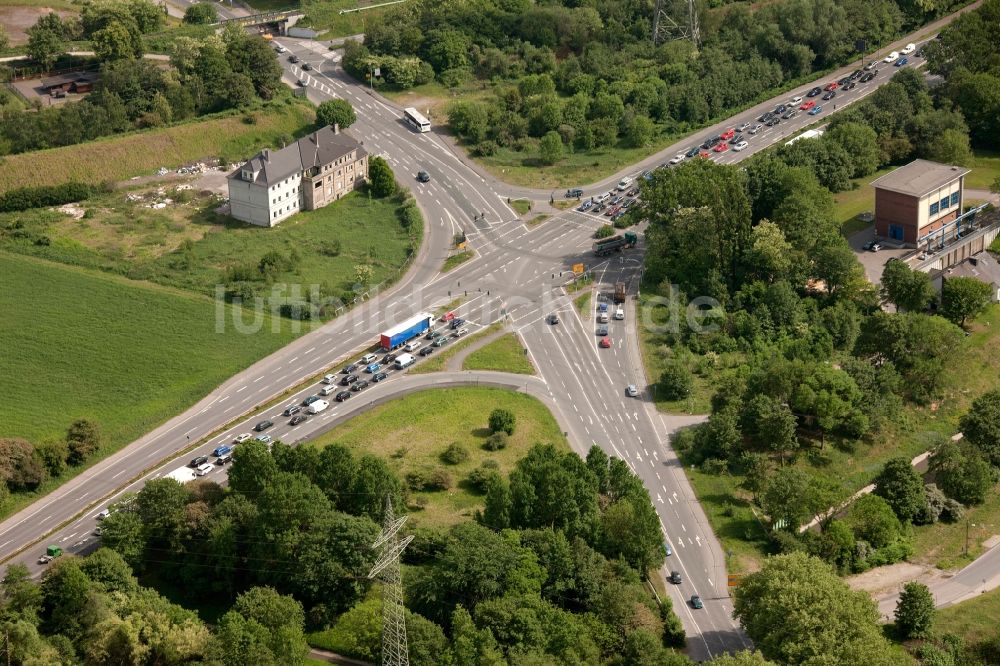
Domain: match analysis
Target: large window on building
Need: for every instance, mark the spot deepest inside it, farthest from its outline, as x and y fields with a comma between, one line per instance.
x=934, y=208
x=954, y=199
x=945, y=203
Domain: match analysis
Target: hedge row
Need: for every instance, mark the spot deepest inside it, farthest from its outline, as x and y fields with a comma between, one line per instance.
x=24, y=198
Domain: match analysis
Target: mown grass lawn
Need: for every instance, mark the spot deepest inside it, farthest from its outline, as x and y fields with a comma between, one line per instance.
x=505, y=354
x=437, y=361
x=82, y=344
x=974, y=620
x=985, y=170
x=851, y=203
x=117, y=158
x=411, y=434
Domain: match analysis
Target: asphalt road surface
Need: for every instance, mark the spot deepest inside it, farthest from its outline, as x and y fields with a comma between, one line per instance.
x=518, y=275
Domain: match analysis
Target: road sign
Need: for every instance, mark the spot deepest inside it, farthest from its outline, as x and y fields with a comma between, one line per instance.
x=734, y=580
x=578, y=268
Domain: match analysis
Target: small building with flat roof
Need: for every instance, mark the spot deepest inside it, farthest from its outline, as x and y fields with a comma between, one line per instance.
x=916, y=200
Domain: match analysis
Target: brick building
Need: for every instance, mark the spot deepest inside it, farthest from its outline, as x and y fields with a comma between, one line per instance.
x=916, y=200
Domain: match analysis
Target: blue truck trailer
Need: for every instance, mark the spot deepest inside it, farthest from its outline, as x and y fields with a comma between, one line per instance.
x=400, y=334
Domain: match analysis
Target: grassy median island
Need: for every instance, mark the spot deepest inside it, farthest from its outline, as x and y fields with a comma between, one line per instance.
x=437, y=360
x=505, y=354
x=413, y=432
x=127, y=355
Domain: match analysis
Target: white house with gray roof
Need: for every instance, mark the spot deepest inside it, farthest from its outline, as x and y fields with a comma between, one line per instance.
x=308, y=174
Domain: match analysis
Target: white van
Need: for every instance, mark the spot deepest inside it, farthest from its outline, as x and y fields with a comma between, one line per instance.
x=602, y=318
x=327, y=390
x=204, y=469
x=892, y=57
x=601, y=198
x=620, y=314
x=368, y=358
x=410, y=347
x=624, y=184
x=404, y=361
x=909, y=48
x=317, y=407
x=329, y=379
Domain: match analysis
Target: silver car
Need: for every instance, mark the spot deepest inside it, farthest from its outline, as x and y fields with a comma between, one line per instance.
x=631, y=391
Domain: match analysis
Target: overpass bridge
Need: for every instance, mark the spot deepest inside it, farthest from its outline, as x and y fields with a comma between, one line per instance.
x=281, y=19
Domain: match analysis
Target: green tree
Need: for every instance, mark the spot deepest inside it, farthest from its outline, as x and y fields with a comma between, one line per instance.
x=906, y=288
x=861, y=144
x=470, y=120
x=502, y=420
x=68, y=607
x=201, y=13
x=83, y=438
x=964, y=297
x=966, y=478
x=837, y=266
x=281, y=616
x=117, y=41
x=915, y=611
x=550, y=148
x=770, y=254
x=902, y=487
x=381, y=180
x=676, y=381
x=253, y=468
x=22, y=596
x=238, y=90
x=872, y=520
x=254, y=57
x=109, y=571
x=771, y=424
x=336, y=112
x=639, y=131
x=123, y=532
x=46, y=39
x=20, y=467
x=743, y=658
x=552, y=489
x=950, y=147
x=981, y=426
x=792, y=497
x=821, y=620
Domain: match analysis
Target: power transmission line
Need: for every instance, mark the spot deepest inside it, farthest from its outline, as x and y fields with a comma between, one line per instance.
x=675, y=19
x=395, y=651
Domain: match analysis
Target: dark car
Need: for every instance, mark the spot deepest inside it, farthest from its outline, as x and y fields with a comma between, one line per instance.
x=553, y=318
x=310, y=400
x=423, y=177
x=297, y=419
x=388, y=358
x=263, y=425
x=736, y=139
x=694, y=151
x=675, y=577
x=455, y=323
x=343, y=395
x=293, y=58
x=919, y=53
x=843, y=81
x=291, y=409
x=348, y=380
x=850, y=85
x=379, y=376
x=829, y=95
x=350, y=368
x=789, y=114
x=198, y=462
x=426, y=351
x=814, y=92
x=772, y=122
x=867, y=77
x=432, y=334
x=696, y=601
x=856, y=74
x=360, y=386
x=574, y=193
x=781, y=108
x=306, y=66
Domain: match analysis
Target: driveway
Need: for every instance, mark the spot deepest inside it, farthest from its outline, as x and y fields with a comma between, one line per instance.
x=873, y=262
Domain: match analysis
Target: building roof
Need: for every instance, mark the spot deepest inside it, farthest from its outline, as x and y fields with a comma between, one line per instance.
x=982, y=266
x=70, y=77
x=313, y=150
x=919, y=177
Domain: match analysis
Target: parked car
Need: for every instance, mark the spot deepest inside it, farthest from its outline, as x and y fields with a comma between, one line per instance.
x=360, y=386
x=574, y=193
x=432, y=334
x=727, y=135
x=736, y=139
x=721, y=148
x=263, y=425
x=388, y=358
x=743, y=127
x=624, y=184
x=351, y=367
x=631, y=391
x=830, y=86
x=310, y=400
x=204, y=469
x=795, y=100
x=306, y=66
x=772, y=122
x=605, y=342
x=441, y=342
x=456, y=322
x=585, y=206
x=850, y=85
x=693, y=151
x=221, y=451
x=343, y=395
x=788, y=115
x=239, y=439
x=198, y=462
x=675, y=577
x=891, y=57
x=293, y=58
x=867, y=77
x=348, y=380
x=871, y=66
x=908, y=49
x=426, y=351
x=553, y=318
x=263, y=439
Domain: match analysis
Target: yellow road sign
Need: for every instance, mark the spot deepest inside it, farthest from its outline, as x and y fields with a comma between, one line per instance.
x=578, y=268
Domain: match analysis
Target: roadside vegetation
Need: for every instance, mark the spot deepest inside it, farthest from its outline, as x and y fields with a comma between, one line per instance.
x=438, y=360
x=505, y=354
x=808, y=401
x=565, y=93
x=456, y=260
x=575, y=565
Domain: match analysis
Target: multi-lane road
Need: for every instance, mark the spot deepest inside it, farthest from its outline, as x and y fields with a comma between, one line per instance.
x=518, y=275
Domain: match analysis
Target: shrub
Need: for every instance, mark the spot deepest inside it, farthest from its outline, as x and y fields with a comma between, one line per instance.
x=455, y=454
x=605, y=231
x=502, y=420
x=83, y=438
x=437, y=479
x=480, y=477
x=336, y=111
x=496, y=441
x=24, y=198
x=675, y=381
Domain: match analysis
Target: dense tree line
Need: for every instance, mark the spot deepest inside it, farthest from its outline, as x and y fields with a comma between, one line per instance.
x=207, y=75
x=579, y=76
x=553, y=569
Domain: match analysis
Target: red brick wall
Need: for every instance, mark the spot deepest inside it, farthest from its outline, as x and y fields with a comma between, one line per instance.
x=896, y=208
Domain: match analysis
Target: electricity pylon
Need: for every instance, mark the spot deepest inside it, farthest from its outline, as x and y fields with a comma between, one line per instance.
x=684, y=26
x=394, y=648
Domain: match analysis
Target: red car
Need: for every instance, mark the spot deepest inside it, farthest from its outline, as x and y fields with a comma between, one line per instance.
x=613, y=210
x=830, y=86
x=605, y=343
x=728, y=134
x=704, y=154
x=807, y=105
x=721, y=147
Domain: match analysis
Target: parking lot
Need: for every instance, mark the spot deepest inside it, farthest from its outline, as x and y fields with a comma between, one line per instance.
x=873, y=262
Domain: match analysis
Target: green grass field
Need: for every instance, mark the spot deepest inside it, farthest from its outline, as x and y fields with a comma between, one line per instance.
x=438, y=360
x=325, y=16
x=521, y=206
x=505, y=354
x=456, y=260
x=131, y=239
x=985, y=170
x=974, y=620
x=118, y=158
x=82, y=344
x=412, y=432
x=851, y=203
x=582, y=303
x=538, y=219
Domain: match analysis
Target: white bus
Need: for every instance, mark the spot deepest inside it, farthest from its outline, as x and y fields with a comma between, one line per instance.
x=416, y=120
